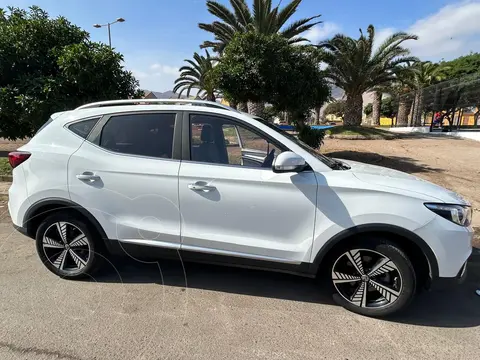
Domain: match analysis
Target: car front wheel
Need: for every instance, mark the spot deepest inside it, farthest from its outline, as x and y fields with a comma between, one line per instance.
x=66, y=246
x=373, y=278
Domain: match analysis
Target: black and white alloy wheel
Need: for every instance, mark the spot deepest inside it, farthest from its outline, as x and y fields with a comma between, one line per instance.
x=374, y=280
x=66, y=247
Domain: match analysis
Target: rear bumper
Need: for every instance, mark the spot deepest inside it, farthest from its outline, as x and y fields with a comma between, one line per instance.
x=444, y=283
x=20, y=229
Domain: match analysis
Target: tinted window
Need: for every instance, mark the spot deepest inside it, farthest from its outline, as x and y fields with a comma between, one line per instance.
x=140, y=134
x=83, y=128
x=221, y=141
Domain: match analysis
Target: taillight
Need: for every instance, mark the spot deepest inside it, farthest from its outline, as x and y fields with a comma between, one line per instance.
x=15, y=158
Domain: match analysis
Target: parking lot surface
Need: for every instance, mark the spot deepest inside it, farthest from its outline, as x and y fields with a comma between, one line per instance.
x=170, y=310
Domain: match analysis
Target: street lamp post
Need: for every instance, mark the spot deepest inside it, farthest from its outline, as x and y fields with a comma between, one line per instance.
x=119, y=20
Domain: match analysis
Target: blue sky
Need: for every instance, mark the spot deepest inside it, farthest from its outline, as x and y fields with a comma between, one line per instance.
x=158, y=34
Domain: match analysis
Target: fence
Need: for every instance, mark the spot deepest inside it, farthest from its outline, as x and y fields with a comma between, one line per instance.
x=449, y=104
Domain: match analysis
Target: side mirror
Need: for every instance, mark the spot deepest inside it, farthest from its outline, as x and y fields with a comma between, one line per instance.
x=288, y=161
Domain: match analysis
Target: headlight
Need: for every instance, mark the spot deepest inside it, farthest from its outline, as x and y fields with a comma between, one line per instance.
x=459, y=214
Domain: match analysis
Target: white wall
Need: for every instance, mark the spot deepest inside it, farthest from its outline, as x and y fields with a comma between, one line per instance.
x=420, y=129
x=473, y=135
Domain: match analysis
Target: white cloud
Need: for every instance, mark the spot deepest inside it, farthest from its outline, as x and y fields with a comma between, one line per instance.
x=151, y=75
x=450, y=32
x=164, y=69
x=139, y=74
x=321, y=31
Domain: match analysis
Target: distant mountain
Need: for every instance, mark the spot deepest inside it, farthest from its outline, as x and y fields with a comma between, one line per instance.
x=162, y=95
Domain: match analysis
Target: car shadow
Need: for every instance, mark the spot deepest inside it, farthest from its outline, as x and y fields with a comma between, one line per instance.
x=405, y=164
x=226, y=279
x=456, y=308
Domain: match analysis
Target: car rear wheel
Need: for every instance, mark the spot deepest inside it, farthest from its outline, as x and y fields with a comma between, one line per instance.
x=373, y=277
x=66, y=246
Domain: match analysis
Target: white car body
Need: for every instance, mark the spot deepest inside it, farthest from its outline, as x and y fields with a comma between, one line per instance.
x=289, y=219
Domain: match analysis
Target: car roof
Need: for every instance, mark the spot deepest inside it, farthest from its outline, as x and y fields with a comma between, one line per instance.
x=116, y=107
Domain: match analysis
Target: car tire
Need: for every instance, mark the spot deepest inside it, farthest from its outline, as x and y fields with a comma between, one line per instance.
x=67, y=247
x=372, y=277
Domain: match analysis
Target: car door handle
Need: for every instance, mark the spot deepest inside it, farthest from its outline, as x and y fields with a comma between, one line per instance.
x=201, y=186
x=88, y=176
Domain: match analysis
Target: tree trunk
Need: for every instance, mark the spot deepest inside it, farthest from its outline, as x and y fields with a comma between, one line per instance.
x=377, y=103
x=211, y=97
x=417, y=113
x=476, y=116
x=317, y=115
x=242, y=106
x=353, y=110
x=410, y=113
x=256, y=108
x=404, y=106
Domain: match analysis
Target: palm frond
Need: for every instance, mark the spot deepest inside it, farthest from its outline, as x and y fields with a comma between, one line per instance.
x=299, y=26
x=259, y=14
x=393, y=41
x=297, y=40
x=207, y=27
x=224, y=14
x=287, y=11
x=242, y=12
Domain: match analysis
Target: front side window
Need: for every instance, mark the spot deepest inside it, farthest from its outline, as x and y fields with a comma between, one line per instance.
x=139, y=134
x=221, y=141
x=325, y=159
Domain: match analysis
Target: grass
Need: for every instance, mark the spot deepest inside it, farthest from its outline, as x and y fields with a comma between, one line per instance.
x=360, y=132
x=5, y=168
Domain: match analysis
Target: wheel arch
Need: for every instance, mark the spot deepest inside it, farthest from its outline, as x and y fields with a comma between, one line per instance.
x=41, y=209
x=413, y=244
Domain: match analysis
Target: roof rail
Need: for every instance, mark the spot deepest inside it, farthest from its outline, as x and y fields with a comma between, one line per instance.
x=212, y=104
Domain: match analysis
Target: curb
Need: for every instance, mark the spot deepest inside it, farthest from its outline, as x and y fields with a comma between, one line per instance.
x=361, y=137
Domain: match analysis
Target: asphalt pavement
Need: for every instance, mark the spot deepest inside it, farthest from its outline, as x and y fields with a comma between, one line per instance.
x=170, y=310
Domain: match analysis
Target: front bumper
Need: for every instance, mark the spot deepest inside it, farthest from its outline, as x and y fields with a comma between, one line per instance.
x=444, y=283
x=450, y=243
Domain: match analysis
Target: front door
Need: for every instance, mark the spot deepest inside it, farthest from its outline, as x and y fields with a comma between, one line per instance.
x=232, y=203
x=125, y=174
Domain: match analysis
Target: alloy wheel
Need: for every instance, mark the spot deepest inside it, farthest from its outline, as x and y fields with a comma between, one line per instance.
x=367, y=278
x=66, y=247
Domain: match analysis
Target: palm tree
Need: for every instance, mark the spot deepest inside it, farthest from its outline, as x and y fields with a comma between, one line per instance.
x=376, y=107
x=263, y=18
x=355, y=67
x=197, y=75
x=424, y=74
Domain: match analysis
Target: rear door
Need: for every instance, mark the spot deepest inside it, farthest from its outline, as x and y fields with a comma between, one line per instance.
x=126, y=173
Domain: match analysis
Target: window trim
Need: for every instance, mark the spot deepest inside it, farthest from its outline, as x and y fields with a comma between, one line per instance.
x=94, y=136
x=67, y=125
x=186, y=155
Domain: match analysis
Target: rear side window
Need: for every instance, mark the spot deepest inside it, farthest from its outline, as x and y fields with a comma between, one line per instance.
x=140, y=134
x=83, y=128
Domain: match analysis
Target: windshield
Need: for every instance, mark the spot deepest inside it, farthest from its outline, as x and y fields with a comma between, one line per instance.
x=325, y=159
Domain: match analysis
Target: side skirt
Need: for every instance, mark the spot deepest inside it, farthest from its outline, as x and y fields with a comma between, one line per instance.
x=118, y=248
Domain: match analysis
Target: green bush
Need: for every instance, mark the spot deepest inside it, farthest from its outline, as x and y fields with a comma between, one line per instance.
x=311, y=137
x=5, y=168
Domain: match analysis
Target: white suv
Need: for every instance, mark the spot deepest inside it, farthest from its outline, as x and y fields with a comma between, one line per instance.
x=212, y=184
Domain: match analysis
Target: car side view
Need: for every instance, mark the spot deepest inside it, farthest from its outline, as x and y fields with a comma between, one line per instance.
x=213, y=184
